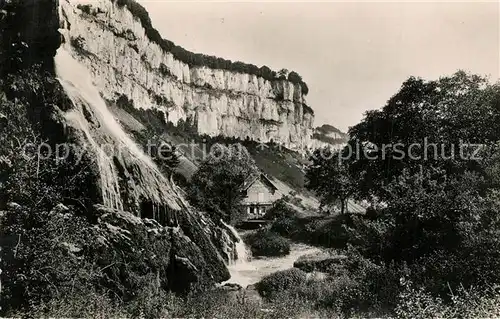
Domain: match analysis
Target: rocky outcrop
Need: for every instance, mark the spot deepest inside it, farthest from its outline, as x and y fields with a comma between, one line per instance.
x=113, y=45
x=182, y=259
x=327, y=136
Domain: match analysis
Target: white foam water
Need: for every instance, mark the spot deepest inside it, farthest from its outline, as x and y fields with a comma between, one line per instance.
x=105, y=134
x=76, y=82
x=253, y=271
x=242, y=254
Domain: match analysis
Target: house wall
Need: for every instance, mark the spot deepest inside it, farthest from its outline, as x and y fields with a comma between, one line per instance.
x=258, y=192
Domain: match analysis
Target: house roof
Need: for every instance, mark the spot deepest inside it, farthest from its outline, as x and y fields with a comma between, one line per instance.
x=253, y=178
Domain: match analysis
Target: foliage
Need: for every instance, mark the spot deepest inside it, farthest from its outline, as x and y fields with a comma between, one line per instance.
x=41, y=257
x=459, y=109
x=294, y=77
x=216, y=185
x=267, y=243
x=329, y=177
x=34, y=172
x=284, y=226
x=279, y=281
x=416, y=302
x=198, y=59
x=433, y=218
x=87, y=8
x=162, y=153
x=28, y=34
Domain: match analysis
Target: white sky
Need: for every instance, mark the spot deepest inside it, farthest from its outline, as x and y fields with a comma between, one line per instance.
x=353, y=55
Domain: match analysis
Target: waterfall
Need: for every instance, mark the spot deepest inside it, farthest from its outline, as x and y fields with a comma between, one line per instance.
x=241, y=254
x=76, y=82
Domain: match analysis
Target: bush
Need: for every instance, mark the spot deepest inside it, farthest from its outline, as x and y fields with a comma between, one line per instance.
x=285, y=226
x=280, y=209
x=330, y=232
x=87, y=8
x=280, y=281
x=472, y=303
x=267, y=243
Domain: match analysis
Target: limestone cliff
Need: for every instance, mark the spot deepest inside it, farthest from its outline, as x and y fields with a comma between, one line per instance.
x=112, y=43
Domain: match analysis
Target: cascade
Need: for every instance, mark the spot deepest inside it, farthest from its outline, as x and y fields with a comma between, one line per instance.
x=82, y=94
x=103, y=134
x=243, y=254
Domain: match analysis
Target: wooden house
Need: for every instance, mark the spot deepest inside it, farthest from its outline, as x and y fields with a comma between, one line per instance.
x=260, y=194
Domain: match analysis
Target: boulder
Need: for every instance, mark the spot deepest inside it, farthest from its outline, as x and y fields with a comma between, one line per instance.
x=322, y=262
x=182, y=256
x=231, y=287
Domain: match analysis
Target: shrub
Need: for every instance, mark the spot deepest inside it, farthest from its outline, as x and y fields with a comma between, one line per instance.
x=217, y=303
x=280, y=209
x=285, y=226
x=267, y=243
x=280, y=281
x=78, y=42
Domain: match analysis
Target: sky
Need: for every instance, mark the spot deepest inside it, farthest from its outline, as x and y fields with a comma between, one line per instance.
x=353, y=55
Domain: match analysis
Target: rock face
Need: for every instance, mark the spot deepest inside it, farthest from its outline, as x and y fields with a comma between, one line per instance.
x=113, y=45
x=179, y=260
x=328, y=136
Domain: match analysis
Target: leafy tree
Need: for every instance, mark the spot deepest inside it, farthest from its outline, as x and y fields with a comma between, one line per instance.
x=215, y=187
x=436, y=117
x=329, y=177
x=294, y=77
x=440, y=210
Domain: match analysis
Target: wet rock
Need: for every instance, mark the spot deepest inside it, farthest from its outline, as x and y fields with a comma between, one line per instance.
x=322, y=262
x=183, y=256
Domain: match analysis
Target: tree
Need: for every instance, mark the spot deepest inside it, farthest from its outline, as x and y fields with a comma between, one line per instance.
x=437, y=117
x=294, y=77
x=215, y=186
x=163, y=153
x=282, y=74
x=329, y=177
